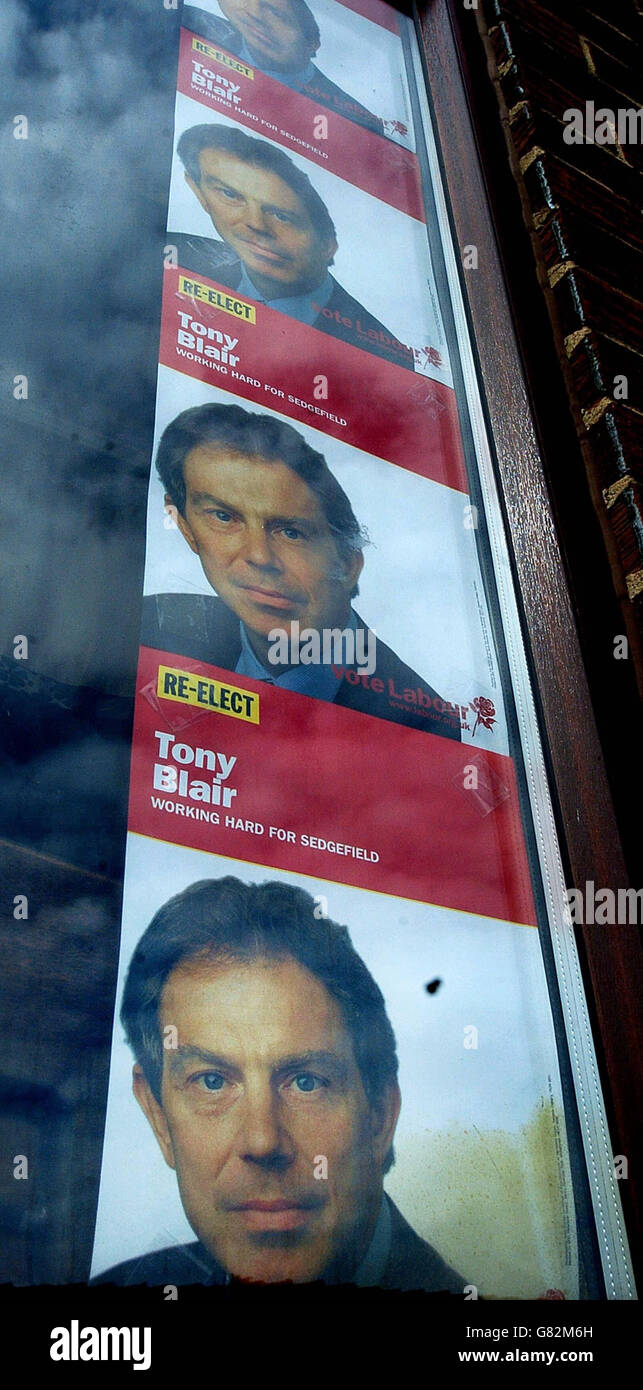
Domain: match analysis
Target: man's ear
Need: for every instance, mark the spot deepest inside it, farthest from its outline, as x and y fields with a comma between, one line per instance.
x=354, y=565
x=184, y=528
x=331, y=250
x=153, y=1112
x=197, y=192
x=384, y=1116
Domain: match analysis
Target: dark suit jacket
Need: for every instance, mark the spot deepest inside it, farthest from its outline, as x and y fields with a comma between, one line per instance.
x=412, y=1264
x=203, y=627
x=318, y=87
x=343, y=317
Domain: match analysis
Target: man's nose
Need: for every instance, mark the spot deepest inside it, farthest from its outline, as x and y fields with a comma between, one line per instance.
x=256, y=218
x=264, y=1138
x=259, y=549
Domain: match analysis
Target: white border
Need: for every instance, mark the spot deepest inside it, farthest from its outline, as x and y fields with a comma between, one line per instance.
x=610, y=1227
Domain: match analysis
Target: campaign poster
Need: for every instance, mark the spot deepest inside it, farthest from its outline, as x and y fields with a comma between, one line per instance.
x=420, y=586
x=340, y=59
x=480, y=1117
x=334, y=1055
x=238, y=205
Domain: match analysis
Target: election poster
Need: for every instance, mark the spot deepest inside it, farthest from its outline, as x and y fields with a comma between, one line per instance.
x=222, y=178
x=339, y=1053
x=342, y=60
x=416, y=541
x=470, y=1126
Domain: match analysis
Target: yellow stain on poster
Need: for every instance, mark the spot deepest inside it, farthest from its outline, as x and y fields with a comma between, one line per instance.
x=497, y=1205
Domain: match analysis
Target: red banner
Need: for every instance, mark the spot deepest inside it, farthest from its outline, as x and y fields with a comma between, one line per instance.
x=264, y=355
x=288, y=781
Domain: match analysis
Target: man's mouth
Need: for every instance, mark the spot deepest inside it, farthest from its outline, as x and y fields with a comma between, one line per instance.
x=279, y=1215
x=268, y=598
x=274, y=257
x=259, y=35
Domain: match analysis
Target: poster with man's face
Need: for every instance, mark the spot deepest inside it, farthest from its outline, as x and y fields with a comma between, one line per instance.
x=277, y=227
x=338, y=58
x=335, y=1056
x=309, y=580
x=280, y=1139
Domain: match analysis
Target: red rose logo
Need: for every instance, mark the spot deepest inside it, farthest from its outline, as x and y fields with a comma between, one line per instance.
x=485, y=713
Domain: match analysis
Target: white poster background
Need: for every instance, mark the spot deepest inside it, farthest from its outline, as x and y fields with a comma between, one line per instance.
x=362, y=58
x=383, y=256
x=421, y=587
x=475, y=1172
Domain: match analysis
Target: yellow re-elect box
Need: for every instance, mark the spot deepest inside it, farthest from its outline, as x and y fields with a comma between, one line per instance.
x=207, y=694
x=223, y=58
x=195, y=289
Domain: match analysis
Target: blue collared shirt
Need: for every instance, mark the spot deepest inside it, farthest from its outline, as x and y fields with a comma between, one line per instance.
x=297, y=306
x=294, y=80
x=317, y=679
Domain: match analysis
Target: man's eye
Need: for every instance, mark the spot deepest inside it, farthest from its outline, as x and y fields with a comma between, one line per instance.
x=230, y=193
x=218, y=513
x=282, y=216
x=212, y=1080
x=306, y=1081
x=292, y=533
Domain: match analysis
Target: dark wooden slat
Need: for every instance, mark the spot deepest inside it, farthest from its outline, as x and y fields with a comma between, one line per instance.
x=623, y=76
x=590, y=193
x=570, y=236
x=616, y=30
x=603, y=51
x=605, y=309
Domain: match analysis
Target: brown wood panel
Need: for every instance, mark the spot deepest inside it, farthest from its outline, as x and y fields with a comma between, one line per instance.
x=552, y=29
x=624, y=77
x=617, y=360
x=566, y=30
x=570, y=236
x=559, y=80
x=614, y=26
x=590, y=193
x=604, y=308
x=582, y=304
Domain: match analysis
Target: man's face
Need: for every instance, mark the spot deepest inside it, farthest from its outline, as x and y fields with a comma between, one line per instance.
x=272, y=31
x=265, y=223
x=262, y=1086
x=264, y=542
